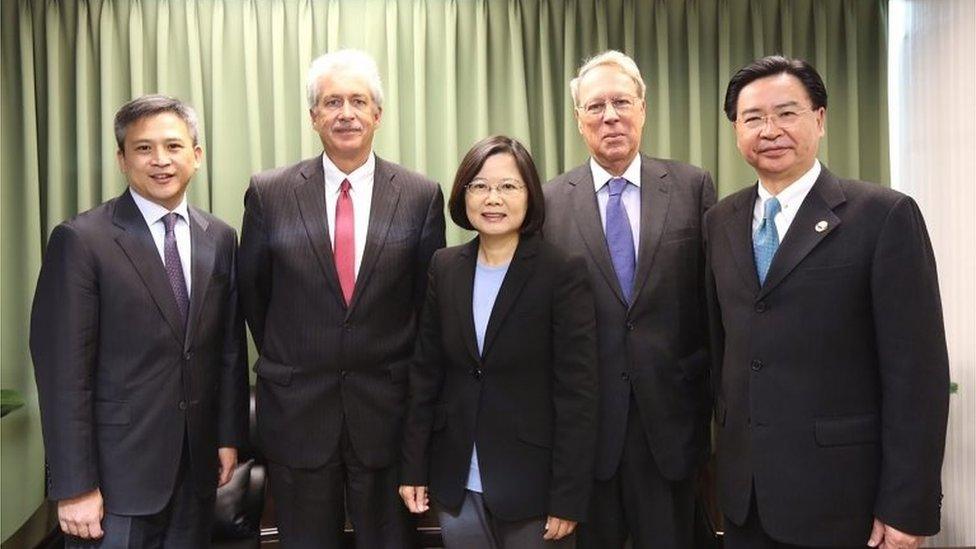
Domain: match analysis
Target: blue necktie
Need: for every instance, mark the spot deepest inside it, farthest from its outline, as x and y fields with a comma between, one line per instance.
x=174, y=267
x=766, y=240
x=620, y=237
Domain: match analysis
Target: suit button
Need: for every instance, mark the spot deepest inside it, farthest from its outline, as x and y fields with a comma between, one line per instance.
x=625, y=376
x=347, y=326
x=761, y=307
x=182, y=405
x=757, y=365
x=478, y=373
x=187, y=355
x=344, y=373
x=631, y=327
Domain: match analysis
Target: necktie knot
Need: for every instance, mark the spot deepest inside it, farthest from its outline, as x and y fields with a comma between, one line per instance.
x=617, y=186
x=771, y=208
x=169, y=221
x=344, y=186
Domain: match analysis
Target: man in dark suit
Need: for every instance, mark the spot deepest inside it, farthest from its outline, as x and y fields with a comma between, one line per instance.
x=637, y=221
x=138, y=348
x=830, y=356
x=334, y=255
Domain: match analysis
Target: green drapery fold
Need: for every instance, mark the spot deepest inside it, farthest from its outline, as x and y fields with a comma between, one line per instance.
x=453, y=72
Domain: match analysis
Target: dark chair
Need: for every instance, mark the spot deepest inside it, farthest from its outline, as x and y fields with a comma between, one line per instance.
x=240, y=502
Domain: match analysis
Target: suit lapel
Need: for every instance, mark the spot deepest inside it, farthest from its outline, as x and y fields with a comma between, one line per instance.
x=591, y=227
x=202, y=256
x=310, y=195
x=738, y=229
x=386, y=196
x=655, y=201
x=464, y=295
x=137, y=243
x=518, y=273
x=802, y=237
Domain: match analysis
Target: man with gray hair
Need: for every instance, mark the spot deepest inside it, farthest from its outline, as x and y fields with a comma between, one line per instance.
x=637, y=221
x=333, y=267
x=138, y=348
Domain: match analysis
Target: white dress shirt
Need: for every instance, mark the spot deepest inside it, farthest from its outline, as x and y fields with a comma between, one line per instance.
x=154, y=213
x=630, y=197
x=361, y=193
x=790, y=200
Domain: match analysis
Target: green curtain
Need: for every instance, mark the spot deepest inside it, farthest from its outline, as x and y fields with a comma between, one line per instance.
x=453, y=72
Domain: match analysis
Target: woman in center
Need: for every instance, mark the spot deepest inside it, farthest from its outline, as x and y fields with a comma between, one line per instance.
x=502, y=418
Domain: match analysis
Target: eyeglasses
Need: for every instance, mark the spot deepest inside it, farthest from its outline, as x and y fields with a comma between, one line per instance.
x=505, y=187
x=781, y=119
x=622, y=105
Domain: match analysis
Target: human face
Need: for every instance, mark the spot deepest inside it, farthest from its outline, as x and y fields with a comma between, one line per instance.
x=494, y=214
x=780, y=155
x=158, y=158
x=612, y=137
x=345, y=117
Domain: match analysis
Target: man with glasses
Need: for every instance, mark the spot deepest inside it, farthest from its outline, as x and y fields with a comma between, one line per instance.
x=637, y=221
x=829, y=351
x=333, y=270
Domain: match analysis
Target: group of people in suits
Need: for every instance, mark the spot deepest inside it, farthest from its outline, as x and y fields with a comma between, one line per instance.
x=551, y=383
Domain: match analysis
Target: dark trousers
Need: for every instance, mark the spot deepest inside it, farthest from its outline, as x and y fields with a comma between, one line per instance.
x=474, y=527
x=751, y=535
x=185, y=522
x=638, y=502
x=310, y=504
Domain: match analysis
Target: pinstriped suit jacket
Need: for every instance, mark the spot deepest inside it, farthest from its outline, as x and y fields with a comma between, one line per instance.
x=320, y=362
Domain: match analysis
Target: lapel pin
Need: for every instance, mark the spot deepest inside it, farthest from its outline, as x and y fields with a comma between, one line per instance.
x=821, y=226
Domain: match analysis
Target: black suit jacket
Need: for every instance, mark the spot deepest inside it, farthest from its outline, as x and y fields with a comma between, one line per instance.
x=655, y=347
x=120, y=381
x=832, y=377
x=529, y=400
x=321, y=362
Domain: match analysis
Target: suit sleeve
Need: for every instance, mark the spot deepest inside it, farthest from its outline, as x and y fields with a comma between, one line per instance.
x=254, y=265
x=426, y=379
x=707, y=282
x=575, y=392
x=914, y=371
x=431, y=240
x=233, y=390
x=63, y=343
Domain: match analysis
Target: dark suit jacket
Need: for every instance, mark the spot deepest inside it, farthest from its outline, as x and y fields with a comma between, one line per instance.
x=529, y=400
x=119, y=379
x=832, y=378
x=321, y=362
x=655, y=347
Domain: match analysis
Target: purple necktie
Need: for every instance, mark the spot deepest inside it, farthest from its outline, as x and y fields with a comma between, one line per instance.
x=620, y=237
x=174, y=267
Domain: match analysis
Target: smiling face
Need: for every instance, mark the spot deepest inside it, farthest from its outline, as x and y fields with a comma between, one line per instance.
x=613, y=137
x=345, y=117
x=495, y=214
x=159, y=158
x=780, y=155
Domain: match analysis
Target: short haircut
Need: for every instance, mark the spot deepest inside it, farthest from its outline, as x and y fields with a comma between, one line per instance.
x=355, y=61
x=151, y=105
x=773, y=65
x=471, y=164
x=612, y=58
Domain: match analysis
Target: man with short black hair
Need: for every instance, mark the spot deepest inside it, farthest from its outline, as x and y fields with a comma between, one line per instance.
x=830, y=359
x=138, y=348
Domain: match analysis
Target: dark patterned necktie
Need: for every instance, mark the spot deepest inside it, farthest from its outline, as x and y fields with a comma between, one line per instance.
x=174, y=267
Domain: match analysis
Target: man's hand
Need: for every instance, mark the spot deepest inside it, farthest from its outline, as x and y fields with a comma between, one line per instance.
x=557, y=528
x=81, y=516
x=228, y=462
x=888, y=537
x=415, y=498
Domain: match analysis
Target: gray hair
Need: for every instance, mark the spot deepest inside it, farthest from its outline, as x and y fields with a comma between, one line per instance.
x=612, y=58
x=151, y=105
x=355, y=61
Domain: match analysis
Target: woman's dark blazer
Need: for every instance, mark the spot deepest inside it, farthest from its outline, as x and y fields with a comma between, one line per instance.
x=529, y=401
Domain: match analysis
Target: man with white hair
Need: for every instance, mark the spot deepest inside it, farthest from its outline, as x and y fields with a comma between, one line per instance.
x=637, y=221
x=333, y=268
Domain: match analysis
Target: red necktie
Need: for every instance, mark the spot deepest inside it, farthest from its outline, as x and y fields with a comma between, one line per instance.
x=345, y=242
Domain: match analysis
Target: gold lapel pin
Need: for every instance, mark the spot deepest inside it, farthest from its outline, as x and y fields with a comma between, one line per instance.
x=821, y=226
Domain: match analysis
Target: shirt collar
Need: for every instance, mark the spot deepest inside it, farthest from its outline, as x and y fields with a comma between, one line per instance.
x=602, y=176
x=359, y=176
x=792, y=196
x=153, y=212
